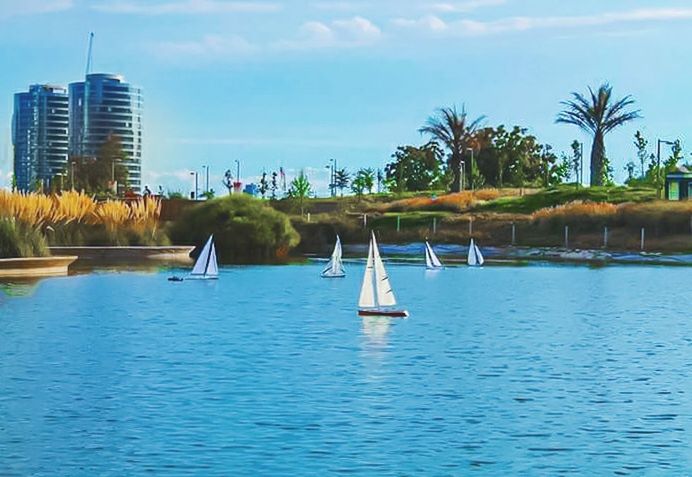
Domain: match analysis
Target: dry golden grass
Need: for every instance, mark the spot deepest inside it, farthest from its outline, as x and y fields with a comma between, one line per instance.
x=457, y=202
x=112, y=214
x=38, y=210
x=576, y=209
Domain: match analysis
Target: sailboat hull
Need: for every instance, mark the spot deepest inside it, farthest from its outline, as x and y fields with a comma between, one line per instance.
x=388, y=313
x=342, y=275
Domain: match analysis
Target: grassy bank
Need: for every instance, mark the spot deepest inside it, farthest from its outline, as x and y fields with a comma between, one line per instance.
x=504, y=217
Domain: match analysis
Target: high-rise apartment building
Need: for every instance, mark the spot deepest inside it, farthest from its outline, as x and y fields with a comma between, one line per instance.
x=105, y=105
x=40, y=135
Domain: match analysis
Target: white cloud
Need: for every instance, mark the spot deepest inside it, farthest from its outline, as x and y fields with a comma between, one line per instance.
x=520, y=24
x=9, y=8
x=209, y=47
x=354, y=32
x=428, y=22
x=464, y=7
x=187, y=7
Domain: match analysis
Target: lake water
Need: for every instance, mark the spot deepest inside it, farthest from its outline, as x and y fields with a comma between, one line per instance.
x=539, y=370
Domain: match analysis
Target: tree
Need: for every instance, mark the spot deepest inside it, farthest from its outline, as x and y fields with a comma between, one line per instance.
x=455, y=132
x=598, y=115
x=263, y=185
x=300, y=190
x=274, y=185
x=227, y=181
x=341, y=179
x=630, y=167
x=363, y=180
x=510, y=156
x=577, y=161
x=641, y=144
x=415, y=168
x=94, y=174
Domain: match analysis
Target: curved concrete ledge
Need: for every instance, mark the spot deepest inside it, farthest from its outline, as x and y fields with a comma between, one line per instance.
x=35, y=267
x=178, y=254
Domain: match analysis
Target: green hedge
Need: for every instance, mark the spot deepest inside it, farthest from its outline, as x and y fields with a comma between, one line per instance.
x=246, y=230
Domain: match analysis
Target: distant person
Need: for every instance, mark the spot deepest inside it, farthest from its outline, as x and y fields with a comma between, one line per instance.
x=147, y=191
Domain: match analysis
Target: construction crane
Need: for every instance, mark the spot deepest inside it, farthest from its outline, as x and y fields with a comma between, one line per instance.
x=89, y=53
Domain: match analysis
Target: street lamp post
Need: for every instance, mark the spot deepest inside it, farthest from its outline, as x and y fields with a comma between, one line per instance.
x=660, y=179
x=196, y=190
x=72, y=173
x=237, y=163
x=206, y=171
x=329, y=166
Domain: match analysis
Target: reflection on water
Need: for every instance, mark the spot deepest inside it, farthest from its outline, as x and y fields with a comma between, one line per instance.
x=18, y=288
x=375, y=328
x=269, y=371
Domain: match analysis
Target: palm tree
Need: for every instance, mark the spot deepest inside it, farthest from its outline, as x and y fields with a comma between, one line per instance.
x=598, y=114
x=456, y=133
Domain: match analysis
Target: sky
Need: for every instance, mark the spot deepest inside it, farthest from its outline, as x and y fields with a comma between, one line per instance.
x=295, y=83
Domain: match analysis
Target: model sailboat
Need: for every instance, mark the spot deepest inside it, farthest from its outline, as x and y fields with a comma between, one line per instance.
x=475, y=257
x=431, y=260
x=335, y=267
x=206, y=267
x=376, y=295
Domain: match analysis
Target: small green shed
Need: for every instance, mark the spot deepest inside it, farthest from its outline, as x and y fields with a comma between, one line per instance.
x=679, y=184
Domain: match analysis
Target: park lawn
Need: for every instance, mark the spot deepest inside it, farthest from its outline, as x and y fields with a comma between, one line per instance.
x=527, y=204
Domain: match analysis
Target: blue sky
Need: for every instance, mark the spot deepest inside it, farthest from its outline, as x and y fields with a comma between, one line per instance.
x=294, y=83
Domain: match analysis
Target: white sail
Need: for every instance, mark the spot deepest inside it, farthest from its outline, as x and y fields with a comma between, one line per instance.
x=213, y=267
x=383, y=289
x=367, y=292
x=475, y=257
x=335, y=267
x=206, y=265
x=431, y=259
x=471, y=257
x=479, y=256
x=428, y=260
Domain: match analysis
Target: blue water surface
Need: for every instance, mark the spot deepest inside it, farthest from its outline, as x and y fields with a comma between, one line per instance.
x=540, y=370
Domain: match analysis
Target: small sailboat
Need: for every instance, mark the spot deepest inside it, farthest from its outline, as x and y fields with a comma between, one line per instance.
x=376, y=295
x=206, y=266
x=335, y=267
x=475, y=257
x=431, y=260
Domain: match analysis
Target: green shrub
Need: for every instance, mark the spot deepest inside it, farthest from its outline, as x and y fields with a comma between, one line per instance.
x=20, y=241
x=96, y=235
x=246, y=230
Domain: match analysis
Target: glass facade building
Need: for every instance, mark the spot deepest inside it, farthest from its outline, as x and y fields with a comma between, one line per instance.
x=105, y=105
x=40, y=123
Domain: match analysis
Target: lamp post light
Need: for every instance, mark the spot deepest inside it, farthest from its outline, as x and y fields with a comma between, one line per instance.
x=206, y=171
x=660, y=179
x=72, y=173
x=237, y=184
x=329, y=166
x=196, y=189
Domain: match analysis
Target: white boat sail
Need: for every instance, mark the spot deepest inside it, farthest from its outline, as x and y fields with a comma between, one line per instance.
x=475, y=257
x=335, y=267
x=431, y=260
x=376, y=295
x=206, y=266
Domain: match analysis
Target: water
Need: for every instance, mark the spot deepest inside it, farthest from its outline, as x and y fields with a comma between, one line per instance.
x=541, y=370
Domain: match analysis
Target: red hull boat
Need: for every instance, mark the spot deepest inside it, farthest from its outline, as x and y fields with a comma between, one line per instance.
x=386, y=313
